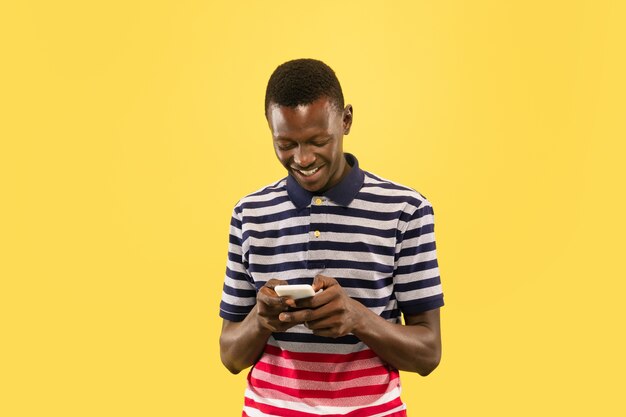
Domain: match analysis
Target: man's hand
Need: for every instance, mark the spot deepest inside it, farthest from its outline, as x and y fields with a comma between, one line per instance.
x=331, y=313
x=270, y=305
x=414, y=347
x=242, y=343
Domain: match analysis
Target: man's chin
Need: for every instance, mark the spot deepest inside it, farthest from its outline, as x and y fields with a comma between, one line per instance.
x=312, y=188
x=312, y=185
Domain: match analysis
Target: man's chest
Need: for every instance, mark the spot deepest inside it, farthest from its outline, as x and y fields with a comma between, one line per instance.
x=357, y=251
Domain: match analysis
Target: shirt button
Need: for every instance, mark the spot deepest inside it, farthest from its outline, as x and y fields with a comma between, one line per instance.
x=318, y=201
x=317, y=233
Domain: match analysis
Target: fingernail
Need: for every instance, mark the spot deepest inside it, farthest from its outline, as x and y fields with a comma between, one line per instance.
x=284, y=317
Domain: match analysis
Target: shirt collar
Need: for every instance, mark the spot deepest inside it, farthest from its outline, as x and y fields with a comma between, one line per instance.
x=342, y=194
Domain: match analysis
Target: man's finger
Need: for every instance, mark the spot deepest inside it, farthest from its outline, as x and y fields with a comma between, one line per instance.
x=268, y=297
x=299, y=316
x=309, y=315
x=321, y=281
x=274, y=282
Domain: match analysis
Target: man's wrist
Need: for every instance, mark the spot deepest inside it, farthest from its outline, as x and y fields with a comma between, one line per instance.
x=258, y=325
x=362, y=318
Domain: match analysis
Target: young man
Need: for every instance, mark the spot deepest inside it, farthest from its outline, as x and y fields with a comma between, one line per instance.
x=366, y=242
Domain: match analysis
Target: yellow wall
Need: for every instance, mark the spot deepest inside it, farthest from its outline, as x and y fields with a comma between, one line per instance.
x=129, y=129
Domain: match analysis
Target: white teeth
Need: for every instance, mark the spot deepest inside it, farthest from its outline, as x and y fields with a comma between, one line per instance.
x=309, y=173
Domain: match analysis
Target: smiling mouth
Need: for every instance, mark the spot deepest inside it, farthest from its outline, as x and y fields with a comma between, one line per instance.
x=307, y=173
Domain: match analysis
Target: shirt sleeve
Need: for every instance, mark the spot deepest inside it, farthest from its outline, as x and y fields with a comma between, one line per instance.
x=239, y=292
x=416, y=276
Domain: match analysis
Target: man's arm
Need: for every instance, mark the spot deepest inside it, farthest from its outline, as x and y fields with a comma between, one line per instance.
x=241, y=343
x=414, y=347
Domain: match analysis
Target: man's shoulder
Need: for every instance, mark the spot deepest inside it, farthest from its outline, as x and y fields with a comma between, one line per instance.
x=267, y=195
x=391, y=190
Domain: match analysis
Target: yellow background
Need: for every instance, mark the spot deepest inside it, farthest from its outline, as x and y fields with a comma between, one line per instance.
x=129, y=129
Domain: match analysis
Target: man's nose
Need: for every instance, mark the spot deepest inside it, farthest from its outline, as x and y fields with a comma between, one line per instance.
x=303, y=156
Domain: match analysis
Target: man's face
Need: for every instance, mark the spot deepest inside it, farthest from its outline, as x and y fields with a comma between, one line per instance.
x=308, y=141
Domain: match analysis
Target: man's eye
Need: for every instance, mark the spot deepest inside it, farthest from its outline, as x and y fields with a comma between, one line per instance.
x=321, y=143
x=285, y=146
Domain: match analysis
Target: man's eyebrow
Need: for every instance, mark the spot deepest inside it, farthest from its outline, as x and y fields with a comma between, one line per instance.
x=324, y=135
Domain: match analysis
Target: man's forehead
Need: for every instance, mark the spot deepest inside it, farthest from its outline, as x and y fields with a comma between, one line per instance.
x=321, y=112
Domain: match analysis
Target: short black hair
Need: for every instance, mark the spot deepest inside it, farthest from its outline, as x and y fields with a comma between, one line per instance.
x=302, y=81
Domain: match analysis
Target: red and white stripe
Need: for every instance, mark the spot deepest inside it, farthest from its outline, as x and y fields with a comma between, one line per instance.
x=307, y=384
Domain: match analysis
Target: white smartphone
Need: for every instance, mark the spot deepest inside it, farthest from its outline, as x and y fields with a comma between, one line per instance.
x=295, y=291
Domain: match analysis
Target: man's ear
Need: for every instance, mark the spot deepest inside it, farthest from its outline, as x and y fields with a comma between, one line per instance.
x=347, y=118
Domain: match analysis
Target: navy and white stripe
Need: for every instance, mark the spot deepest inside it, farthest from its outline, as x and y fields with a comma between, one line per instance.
x=376, y=238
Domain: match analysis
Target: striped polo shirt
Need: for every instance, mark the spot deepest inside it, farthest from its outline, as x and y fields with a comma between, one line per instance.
x=376, y=238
